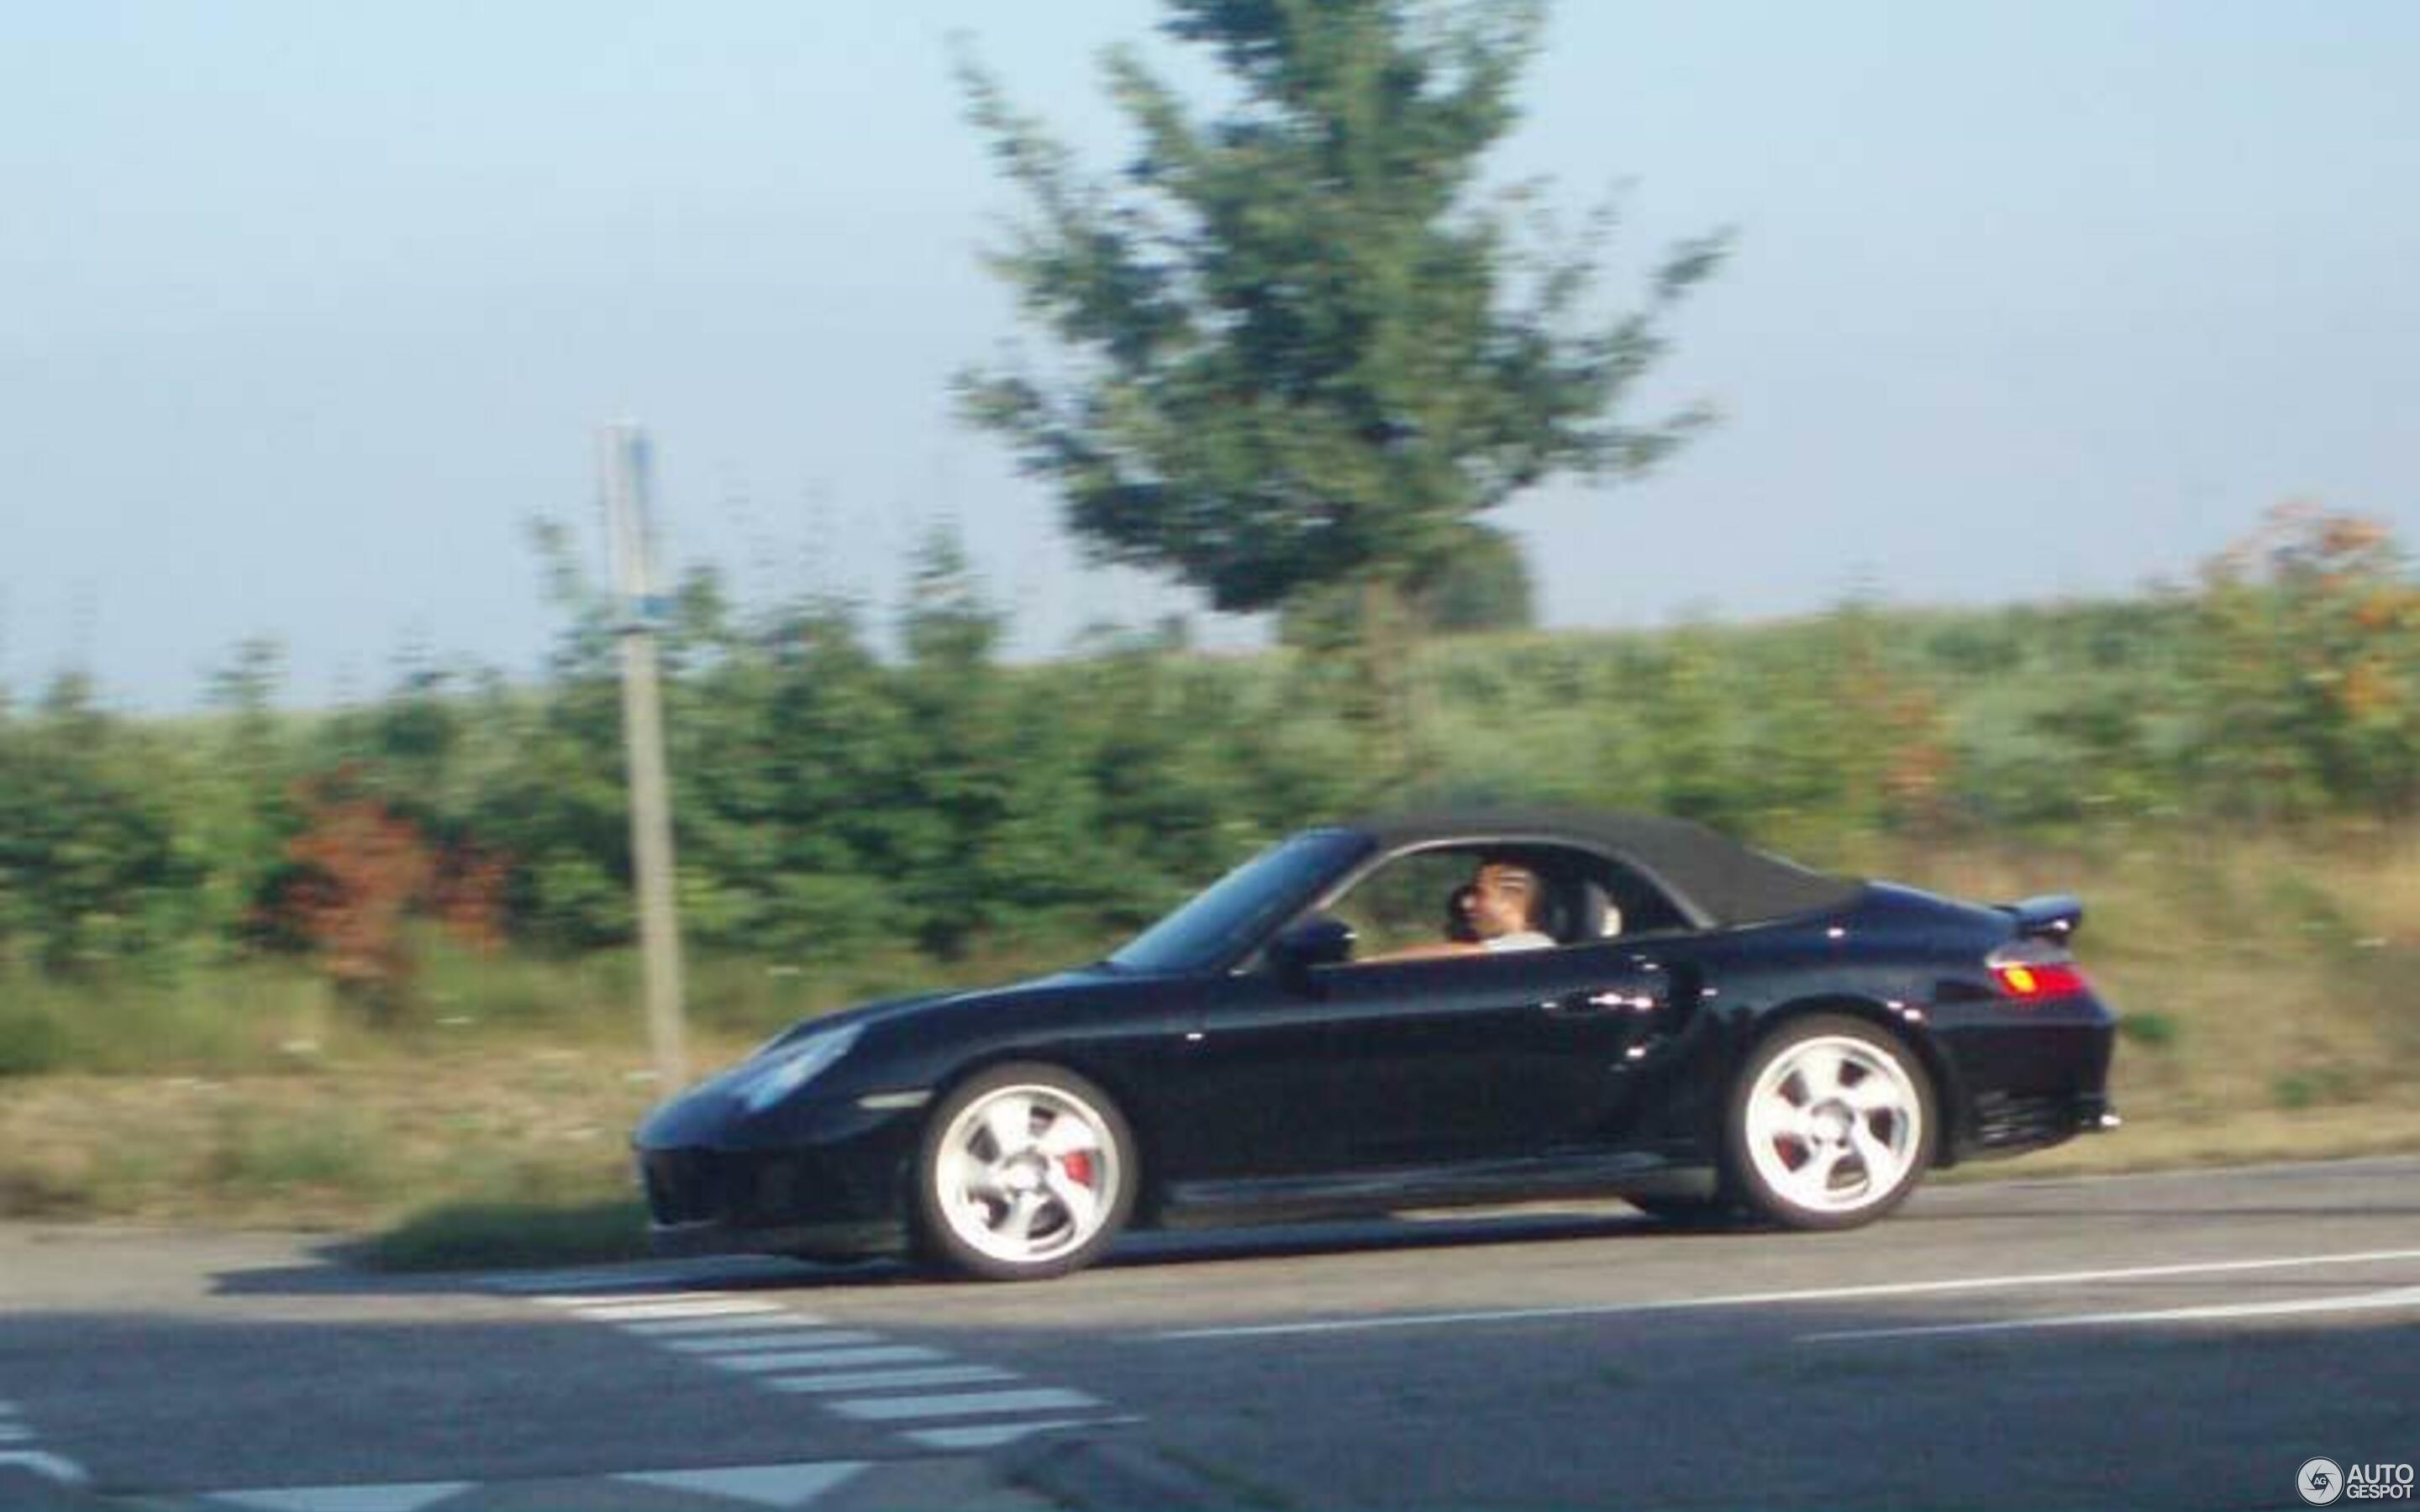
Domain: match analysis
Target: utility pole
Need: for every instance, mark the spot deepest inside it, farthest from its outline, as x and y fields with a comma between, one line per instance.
x=631, y=533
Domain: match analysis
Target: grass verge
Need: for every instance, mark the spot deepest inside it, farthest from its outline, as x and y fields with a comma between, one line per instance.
x=483, y=1236
x=2270, y=995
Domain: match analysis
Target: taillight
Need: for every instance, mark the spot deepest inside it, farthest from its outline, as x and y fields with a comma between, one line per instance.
x=2035, y=980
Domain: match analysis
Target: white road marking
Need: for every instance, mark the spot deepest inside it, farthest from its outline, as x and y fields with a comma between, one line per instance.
x=649, y=1312
x=613, y=1299
x=792, y=1352
x=527, y=1282
x=54, y=1467
x=787, y=1485
x=734, y=1323
x=1767, y=1299
x=964, y=1404
x=396, y=1498
x=2400, y=1297
x=17, y=1447
x=765, y=1365
x=704, y=1271
x=992, y=1435
x=939, y=1375
x=797, y=1339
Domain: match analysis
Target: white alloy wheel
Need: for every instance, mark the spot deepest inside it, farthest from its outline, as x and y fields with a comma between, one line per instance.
x=1831, y=1125
x=1026, y=1173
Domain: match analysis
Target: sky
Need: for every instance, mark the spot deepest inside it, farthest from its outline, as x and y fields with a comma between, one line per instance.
x=306, y=309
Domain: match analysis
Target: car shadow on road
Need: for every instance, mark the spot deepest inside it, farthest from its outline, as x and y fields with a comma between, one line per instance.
x=339, y=1266
x=1185, y=1246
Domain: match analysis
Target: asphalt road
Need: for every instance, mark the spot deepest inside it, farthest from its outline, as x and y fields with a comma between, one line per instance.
x=2179, y=1340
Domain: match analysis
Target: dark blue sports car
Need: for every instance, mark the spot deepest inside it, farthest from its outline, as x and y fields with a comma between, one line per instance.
x=1414, y=1012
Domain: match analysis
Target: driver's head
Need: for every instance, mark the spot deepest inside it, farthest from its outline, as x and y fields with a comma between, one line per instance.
x=1505, y=899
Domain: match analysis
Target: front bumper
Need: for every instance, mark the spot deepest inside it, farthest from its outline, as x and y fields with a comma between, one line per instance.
x=782, y=1203
x=822, y=1176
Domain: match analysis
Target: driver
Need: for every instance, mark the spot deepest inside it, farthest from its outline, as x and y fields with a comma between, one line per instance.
x=1502, y=907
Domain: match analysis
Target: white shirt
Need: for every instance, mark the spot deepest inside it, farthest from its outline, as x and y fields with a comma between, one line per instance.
x=1524, y=939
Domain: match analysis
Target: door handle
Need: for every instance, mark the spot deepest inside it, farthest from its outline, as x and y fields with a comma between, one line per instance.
x=1606, y=1001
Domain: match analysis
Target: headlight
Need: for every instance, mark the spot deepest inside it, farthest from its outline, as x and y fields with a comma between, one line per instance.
x=795, y=1067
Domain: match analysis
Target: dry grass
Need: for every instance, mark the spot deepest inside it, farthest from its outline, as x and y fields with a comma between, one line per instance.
x=349, y=1143
x=2253, y=976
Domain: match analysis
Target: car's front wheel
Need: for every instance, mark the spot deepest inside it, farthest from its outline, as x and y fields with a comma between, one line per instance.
x=1026, y=1171
x=1830, y=1124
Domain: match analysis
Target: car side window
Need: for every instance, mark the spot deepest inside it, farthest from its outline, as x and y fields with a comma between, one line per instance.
x=1631, y=903
x=1413, y=902
x=1405, y=903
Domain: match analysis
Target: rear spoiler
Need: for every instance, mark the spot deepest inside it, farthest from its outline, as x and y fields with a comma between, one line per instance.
x=2053, y=915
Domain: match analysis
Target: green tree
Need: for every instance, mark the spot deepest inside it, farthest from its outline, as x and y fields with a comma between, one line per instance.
x=991, y=819
x=2309, y=638
x=95, y=867
x=559, y=807
x=1484, y=586
x=1306, y=348
x=232, y=787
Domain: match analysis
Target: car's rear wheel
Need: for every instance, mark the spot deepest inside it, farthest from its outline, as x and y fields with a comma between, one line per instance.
x=1830, y=1124
x=1026, y=1171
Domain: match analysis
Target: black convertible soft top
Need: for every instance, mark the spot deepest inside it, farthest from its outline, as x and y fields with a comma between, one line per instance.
x=1707, y=872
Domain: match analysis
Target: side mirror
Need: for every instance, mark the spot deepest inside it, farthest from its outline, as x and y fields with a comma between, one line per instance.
x=1314, y=942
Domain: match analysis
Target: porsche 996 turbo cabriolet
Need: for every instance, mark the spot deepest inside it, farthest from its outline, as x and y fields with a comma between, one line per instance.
x=1411, y=1013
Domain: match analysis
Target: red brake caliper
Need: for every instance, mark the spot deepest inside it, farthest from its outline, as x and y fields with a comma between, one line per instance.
x=1078, y=1166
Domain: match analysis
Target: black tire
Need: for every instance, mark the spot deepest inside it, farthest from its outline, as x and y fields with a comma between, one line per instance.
x=1009, y=1211
x=1863, y=1124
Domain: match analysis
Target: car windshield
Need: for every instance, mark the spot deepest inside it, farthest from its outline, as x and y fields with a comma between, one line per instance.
x=1243, y=904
